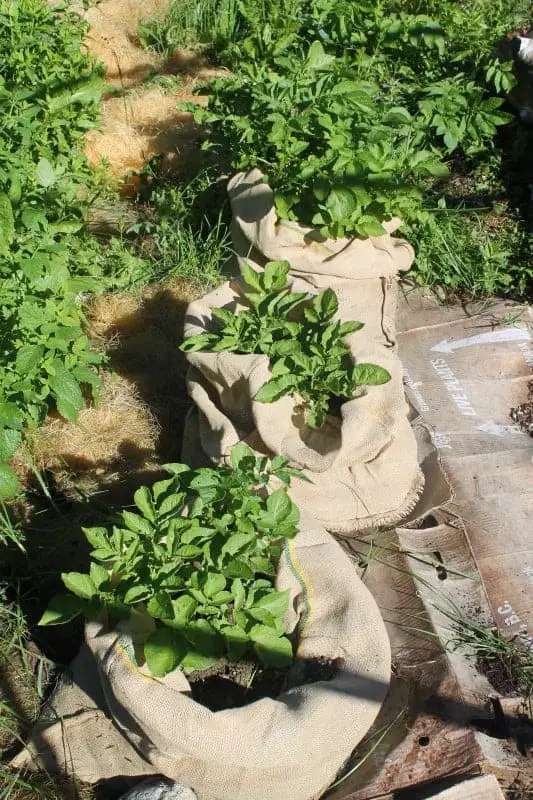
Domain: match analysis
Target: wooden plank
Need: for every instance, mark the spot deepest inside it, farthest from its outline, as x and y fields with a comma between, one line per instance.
x=483, y=788
x=434, y=696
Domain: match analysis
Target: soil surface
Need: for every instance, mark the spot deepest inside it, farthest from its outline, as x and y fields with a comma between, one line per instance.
x=335, y=404
x=523, y=414
x=235, y=684
x=499, y=675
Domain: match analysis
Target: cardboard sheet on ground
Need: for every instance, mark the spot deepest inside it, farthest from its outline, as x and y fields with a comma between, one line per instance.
x=468, y=540
x=464, y=370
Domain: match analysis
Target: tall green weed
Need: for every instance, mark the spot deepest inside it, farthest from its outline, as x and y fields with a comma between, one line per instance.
x=49, y=98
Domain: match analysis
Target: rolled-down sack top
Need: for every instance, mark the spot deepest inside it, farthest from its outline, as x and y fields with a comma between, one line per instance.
x=362, y=272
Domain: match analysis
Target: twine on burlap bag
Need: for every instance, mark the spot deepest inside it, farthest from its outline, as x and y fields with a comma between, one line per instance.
x=363, y=465
x=273, y=749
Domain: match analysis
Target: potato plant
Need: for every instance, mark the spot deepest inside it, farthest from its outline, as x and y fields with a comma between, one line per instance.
x=198, y=560
x=309, y=358
x=352, y=110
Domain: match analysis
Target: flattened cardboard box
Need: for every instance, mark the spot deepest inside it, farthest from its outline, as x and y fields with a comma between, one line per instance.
x=472, y=553
x=463, y=374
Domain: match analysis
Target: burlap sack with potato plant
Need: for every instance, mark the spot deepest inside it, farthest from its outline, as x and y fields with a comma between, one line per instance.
x=362, y=466
x=127, y=722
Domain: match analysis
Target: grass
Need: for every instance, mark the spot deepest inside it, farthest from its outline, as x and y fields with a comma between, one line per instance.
x=191, y=24
x=15, y=786
x=11, y=531
x=185, y=233
x=470, y=252
x=167, y=83
x=216, y=24
x=507, y=663
x=28, y=663
x=15, y=660
x=478, y=240
x=24, y=674
x=171, y=231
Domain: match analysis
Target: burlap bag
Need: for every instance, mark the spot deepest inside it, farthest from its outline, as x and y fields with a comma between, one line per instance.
x=362, y=272
x=363, y=466
x=291, y=747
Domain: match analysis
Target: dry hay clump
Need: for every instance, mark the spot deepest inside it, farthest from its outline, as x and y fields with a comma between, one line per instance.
x=138, y=423
x=147, y=122
x=160, y=309
x=112, y=38
x=113, y=315
x=139, y=126
x=143, y=121
x=106, y=444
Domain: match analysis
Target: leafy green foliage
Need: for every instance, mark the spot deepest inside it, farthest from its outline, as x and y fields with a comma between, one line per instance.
x=351, y=109
x=308, y=355
x=198, y=557
x=49, y=96
x=430, y=68
x=458, y=250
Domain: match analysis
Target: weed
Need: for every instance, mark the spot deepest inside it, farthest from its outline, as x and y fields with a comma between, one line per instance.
x=458, y=249
x=191, y=24
x=507, y=662
x=168, y=83
x=174, y=249
x=20, y=692
x=49, y=96
x=21, y=786
x=184, y=233
x=10, y=530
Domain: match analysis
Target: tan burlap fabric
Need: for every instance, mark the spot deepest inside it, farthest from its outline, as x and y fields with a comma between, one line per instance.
x=291, y=747
x=363, y=467
x=362, y=272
